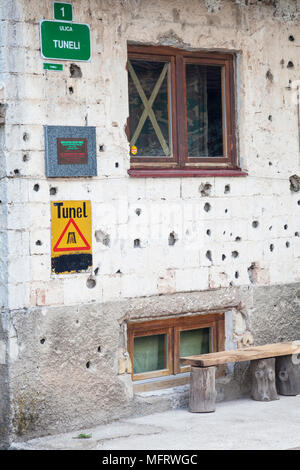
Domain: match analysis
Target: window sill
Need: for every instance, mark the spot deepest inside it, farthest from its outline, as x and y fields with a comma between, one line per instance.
x=161, y=383
x=173, y=173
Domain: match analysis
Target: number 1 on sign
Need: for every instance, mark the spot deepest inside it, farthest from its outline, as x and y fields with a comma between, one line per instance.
x=63, y=11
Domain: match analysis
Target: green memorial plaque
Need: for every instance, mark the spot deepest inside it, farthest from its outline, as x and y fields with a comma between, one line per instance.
x=65, y=41
x=72, y=151
x=63, y=11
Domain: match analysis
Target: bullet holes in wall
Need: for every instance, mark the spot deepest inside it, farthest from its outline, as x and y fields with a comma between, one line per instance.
x=251, y=272
x=269, y=76
x=75, y=71
x=102, y=237
x=91, y=283
x=207, y=207
x=172, y=238
x=53, y=191
x=88, y=364
x=137, y=243
x=205, y=189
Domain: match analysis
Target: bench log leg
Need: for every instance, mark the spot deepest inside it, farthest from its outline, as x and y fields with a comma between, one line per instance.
x=288, y=375
x=202, y=390
x=263, y=380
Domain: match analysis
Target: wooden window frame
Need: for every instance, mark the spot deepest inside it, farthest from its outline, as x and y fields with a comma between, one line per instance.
x=180, y=164
x=157, y=373
x=212, y=343
x=173, y=327
x=160, y=161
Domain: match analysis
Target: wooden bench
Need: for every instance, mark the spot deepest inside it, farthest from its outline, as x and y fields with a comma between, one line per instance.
x=274, y=368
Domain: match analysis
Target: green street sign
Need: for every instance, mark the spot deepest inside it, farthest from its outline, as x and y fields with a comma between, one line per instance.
x=53, y=66
x=63, y=11
x=65, y=41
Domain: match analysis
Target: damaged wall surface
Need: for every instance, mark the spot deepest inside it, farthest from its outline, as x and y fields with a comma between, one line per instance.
x=162, y=247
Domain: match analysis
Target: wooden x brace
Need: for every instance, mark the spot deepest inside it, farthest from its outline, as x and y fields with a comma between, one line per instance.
x=148, y=111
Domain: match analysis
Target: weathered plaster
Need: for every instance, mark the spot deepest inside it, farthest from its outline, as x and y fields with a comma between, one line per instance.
x=234, y=247
x=56, y=344
x=269, y=324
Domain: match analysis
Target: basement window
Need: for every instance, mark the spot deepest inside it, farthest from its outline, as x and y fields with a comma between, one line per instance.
x=181, y=113
x=155, y=347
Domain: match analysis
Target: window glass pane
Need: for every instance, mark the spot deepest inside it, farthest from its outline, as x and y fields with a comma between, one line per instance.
x=204, y=110
x=149, y=108
x=194, y=342
x=150, y=353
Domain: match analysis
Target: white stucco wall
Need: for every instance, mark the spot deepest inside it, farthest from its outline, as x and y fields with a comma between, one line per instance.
x=269, y=151
x=268, y=137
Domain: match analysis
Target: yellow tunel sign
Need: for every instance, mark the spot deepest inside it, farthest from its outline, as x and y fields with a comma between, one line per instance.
x=71, y=236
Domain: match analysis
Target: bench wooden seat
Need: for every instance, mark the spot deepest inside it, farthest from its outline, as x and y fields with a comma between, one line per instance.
x=274, y=368
x=240, y=355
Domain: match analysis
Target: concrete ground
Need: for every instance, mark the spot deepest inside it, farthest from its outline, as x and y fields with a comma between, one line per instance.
x=240, y=424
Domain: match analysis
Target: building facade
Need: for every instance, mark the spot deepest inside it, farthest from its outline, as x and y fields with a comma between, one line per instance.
x=192, y=202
